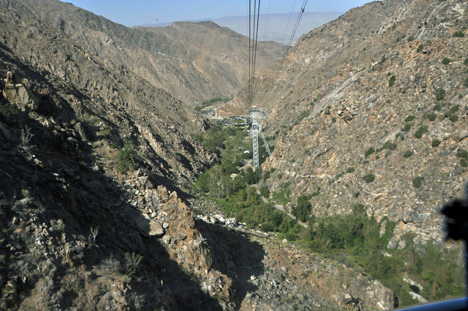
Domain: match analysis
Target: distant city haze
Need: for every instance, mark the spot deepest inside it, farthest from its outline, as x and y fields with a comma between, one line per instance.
x=273, y=27
x=154, y=12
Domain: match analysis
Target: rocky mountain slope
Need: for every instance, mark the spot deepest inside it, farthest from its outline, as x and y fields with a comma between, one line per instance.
x=93, y=164
x=372, y=109
x=115, y=105
x=77, y=237
x=193, y=61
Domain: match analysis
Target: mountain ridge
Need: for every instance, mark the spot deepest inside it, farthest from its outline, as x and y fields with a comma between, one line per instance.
x=275, y=27
x=388, y=72
x=160, y=58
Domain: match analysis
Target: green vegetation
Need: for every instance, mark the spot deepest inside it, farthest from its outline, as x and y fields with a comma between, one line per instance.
x=451, y=114
x=26, y=137
x=210, y=102
x=430, y=116
x=391, y=81
x=421, y=130
x=466, y=62
x=389, y=145
x=284, y=195
x=465, y=84
x=369, y=151
x=420, y=48
x=410, y=118
x=454, y=109
x=417, y=181
x=436, y=143
x=407, y=127
x=354, y=239
x=453, y=117
x=369, y=178
x=440, y=93
x=125, y=158
x=463, y=155
x=408, y=154
x=459, y=34
x=303, y=208
x=446, y=61
x=438, y=106
x=132, y=262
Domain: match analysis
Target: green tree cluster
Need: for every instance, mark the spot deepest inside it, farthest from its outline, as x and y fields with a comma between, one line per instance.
x=358, y=240
x=303, y=208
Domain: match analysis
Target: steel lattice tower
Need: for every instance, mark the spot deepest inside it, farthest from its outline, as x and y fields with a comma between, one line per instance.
x=255, y=130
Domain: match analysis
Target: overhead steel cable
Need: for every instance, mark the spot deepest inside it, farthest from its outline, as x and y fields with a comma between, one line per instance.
x=250, y=50
x=296, y=25
x=289, y=20
x=256, y=40
x=254, y=22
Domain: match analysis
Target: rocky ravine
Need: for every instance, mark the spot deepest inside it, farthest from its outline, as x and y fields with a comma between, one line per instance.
x=108, y=103
x=77, y=237
x=372, y=108
x=80, y=233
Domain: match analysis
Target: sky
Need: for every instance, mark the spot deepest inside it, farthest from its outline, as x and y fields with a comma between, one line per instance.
x=139, y=12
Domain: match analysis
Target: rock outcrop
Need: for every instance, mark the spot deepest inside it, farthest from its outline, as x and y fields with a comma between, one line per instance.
x=372, y=109
x=93, y=163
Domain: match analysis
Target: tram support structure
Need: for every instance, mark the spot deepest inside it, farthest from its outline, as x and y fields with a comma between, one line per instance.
x=254, y=131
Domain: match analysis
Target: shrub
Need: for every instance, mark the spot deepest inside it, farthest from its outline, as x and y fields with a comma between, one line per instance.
x=446, y=61
x=26, y=136
x=462, y=153
x=466, y=61
x=303, y=208
x=463, y=163
x=466, y=83
x=422, y=129
x=389, y=145
x=438, y=107
x=350, y=170
x=436, y=143
x=410, y=118
x=132, y=261
x=267, y=227
x=430, y=116
x=454, y=109
x=459, y=34
x=453, y=117
x=391, y=81
x=369, y=178
x=420, y=48
x=369, y=151
x=125, y=158
x=417, y=181
x=440, y=93
x=407, y=127
x=408, y=154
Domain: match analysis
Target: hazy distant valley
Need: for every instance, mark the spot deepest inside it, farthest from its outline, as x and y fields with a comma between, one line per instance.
x=117, y=193
x=274, y=27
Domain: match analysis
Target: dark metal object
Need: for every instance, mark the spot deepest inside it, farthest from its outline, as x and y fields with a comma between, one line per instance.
x=448, y=305
x=456, y=219
x=456, y=224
